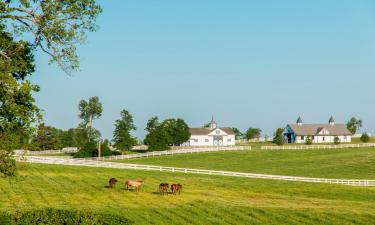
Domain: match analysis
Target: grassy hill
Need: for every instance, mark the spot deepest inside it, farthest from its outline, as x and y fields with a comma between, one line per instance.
x=341, y=163
x=205, y=199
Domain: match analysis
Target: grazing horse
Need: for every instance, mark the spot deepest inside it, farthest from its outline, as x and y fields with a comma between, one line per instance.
x=163, y=188
x=112, y=182
x=176, y=188
x=135, y=184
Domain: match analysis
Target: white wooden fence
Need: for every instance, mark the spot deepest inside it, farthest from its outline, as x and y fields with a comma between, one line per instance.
x=305, y=147
x=92, y=163
x=172, y=152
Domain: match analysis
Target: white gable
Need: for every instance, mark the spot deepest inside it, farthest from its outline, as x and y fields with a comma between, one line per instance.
x=324, y=132
x=218, y=131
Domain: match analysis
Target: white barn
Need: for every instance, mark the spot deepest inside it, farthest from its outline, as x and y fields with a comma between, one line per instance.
x=211, y=136
x=318, y=133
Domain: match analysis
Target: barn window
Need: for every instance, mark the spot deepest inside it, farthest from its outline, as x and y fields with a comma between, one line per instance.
x=229, y=140
x=302, y=138
x=206, y=140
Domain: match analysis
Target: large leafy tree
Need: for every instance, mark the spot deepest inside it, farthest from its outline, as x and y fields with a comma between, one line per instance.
x=18, y=111
x=89, y=111
x=170, y=132
x=47, y=138
x=354, y=125
x=238, y=133
x=54, y=26
x=252, y=133
x=122, y=137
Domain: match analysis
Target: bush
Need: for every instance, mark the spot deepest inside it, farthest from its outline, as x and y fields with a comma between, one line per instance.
x=279, y=137
x=365, y=138
x=61, y=217
x=337, y=141
x=308, y=141
x=91, y=150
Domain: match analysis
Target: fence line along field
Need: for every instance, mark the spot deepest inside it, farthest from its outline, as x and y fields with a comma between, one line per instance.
x=204, y=199
x=334, y=163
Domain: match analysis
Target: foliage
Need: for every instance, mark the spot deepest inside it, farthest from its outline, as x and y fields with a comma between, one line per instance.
x=89, y=111
x=8, y=142
x=62, y=217
x=16, y=57
x=354, y=125
x=121, y=136
x=47, y=138
x=56, y=27
x=336, y=141
x=170, y=132
x=365, y=138
x=279, y=136
x=90, y=149
x=238, y=133
x=252, y=133
x=18, y=112
x=308, y=141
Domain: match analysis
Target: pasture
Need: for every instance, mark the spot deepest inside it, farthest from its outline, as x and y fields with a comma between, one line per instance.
x=328, y=163
x=204, y=200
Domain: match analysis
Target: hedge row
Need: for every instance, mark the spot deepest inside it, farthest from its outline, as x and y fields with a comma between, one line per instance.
x=61, y=217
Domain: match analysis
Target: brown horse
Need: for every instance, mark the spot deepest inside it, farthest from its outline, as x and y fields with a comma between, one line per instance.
x=135, y=184
x=112, y=182
x=163, y=188
x=176, y=188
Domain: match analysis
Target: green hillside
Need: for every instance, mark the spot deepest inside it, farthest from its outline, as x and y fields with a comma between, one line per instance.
x=205, y=199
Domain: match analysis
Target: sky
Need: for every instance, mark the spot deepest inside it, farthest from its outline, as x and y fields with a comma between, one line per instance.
x=247, y=63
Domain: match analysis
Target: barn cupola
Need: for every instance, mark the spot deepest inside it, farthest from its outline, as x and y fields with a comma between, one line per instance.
x=213, y=124
x=299, y=121
x=331, y=121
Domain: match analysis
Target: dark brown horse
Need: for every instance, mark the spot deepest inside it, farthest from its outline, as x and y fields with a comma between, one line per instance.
x=176, y=188
x=112, y=182
x=163, y=188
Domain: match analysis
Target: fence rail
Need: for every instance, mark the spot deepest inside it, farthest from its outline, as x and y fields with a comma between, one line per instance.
x=171, y=152
x=305, y=147
x=45, y=152
x=92, y=163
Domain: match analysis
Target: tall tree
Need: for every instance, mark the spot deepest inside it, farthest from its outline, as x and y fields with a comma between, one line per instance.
x=89, y=111
x=238, y=133
x=47, y=138
x=167, y=133
x=252, y=133
x=55, y=26
x=122, y=137
x=18, y=111
x=354, y=125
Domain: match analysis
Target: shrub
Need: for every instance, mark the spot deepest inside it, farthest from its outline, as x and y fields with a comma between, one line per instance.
x=88, y=150
x=365, y=138
x=62, y=217
x=91, y=150
x=308, y=141
x=337, y=141
x=279, y=137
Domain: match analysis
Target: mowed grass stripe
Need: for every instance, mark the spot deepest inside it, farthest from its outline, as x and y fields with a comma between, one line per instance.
x=340, y=163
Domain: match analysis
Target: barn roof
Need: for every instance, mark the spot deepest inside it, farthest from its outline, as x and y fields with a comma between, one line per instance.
x=315, y=129
x=206, y=131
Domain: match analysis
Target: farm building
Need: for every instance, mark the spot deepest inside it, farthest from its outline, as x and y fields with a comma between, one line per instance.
x=211, y=136
x=318, y=133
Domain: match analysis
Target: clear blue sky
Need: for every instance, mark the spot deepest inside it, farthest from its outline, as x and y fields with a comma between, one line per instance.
x=248, y=63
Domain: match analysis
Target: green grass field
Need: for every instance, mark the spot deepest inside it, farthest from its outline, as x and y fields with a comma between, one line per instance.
x=341, y=163
x=205, y=199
